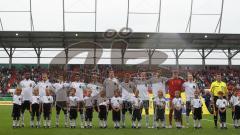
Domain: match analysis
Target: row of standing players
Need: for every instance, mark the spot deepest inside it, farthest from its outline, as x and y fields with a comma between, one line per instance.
x=129, y=96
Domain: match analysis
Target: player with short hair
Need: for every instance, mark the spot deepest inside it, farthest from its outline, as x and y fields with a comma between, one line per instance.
x=174, y=84
x=95, y=86
x=61, y=88
x=222, y=104
x=127, y=88
x=27, y=86
x=216, y=87
x=80, y=87
x=189, y=87
x=142, y=85
x=16, y=110
x=157, y=82
x=196, y=105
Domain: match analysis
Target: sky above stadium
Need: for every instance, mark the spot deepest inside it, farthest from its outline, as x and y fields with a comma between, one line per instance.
x=47, y=15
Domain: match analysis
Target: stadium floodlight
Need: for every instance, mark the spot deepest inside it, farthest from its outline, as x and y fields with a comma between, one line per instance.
x=76, y=34
x=17, y=34
x=148, y=35
x=205, y=36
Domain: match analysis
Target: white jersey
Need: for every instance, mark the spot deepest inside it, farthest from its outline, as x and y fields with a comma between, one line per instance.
x=88, y=101
x=196, y=103
x=222, y=103
x=177, y=102
x=110, y=85
x=73, y=101
x=235, y=100
x=41, y=86
x=95, y=88
x=80, y=87
x=158, y=84
x=136, y=102
x=160, y=101
x=27, y=89
x=60, y=90
x=127, y=90
x=190, y=88
x=102, y=101
x=116, y=102
x=35, y=100
x=47, y=99
x=17, y=99
x=142, y=87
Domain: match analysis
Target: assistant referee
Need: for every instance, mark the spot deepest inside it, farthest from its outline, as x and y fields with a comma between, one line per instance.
x=217, y=86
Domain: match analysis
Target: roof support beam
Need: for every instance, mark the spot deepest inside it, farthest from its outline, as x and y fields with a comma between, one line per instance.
x=150, y=54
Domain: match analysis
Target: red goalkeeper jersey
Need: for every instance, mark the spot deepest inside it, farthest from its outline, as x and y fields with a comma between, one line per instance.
x=174, y=84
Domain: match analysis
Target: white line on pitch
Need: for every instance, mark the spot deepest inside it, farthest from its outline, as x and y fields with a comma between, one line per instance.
x=213, y=121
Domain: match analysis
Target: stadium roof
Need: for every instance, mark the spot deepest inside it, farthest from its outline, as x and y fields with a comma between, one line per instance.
x=135, y=40
x=172, y=16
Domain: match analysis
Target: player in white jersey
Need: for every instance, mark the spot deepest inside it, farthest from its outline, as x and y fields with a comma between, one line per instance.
x=88, y=104
x=110, y=84
x=103, y=104
x=222, y=104
x=27, y=89
x=35, y=108
x=157, y=82
x=196, y=105
x=127, y=89
x=235, y=104
x=190, y=87
x=80, y=87
x=95, y=88
x=61, y=88
x=42, y=86
x=142, y=86
x=16, y=110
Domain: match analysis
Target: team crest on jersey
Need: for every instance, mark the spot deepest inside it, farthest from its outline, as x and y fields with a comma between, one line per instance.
x=19, y=99
x=48, y=99
x=194, y=86
x=97, y=88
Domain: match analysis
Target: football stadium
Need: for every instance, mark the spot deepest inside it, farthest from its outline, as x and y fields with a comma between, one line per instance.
x=84, y=67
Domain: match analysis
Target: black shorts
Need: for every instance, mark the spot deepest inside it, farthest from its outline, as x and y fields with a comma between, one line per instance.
x=160, y=114
x=116, y=116
x=73, y=113
x=137, y=115
x=46, y=110
x=89, y=113
x=237, y=113
x=178, y=114
x=188, y=107
x=61, y=105
x=16, y=111
x=222, y=116
x=126, y=106
x=197, y=115
x=35, y=110
x=25, y=105
x=102, y=114
x=146, y=104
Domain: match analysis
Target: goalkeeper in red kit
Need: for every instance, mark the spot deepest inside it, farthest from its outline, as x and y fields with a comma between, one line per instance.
x=173, y=84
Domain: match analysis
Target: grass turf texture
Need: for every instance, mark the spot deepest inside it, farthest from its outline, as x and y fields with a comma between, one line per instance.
x=207, y=124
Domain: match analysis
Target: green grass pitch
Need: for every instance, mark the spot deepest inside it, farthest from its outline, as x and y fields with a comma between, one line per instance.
x=207, y=123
